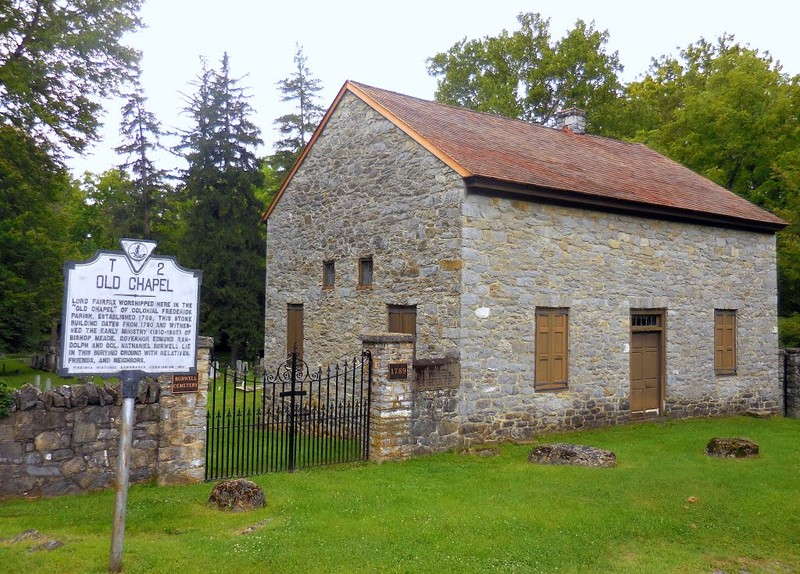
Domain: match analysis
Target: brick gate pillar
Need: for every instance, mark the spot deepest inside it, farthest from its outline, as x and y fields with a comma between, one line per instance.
x=391, y=412
x=182, y=433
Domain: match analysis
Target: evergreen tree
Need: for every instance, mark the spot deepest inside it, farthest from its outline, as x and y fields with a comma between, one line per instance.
x=297, y=127
x=141, y=132
x=222, y=236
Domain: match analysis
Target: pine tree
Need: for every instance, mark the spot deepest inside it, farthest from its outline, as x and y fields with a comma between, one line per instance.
x=297, y=128
x=222, y=236
x=142, y=133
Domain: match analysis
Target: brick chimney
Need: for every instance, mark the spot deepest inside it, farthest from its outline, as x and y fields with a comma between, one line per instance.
x=573, y=119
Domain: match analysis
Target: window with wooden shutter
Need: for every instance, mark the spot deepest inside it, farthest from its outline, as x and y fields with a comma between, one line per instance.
x=552, y=349
x=725, y=342
x=403, y=319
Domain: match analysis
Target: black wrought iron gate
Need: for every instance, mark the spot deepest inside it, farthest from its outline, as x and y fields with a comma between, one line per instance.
x=258, y=423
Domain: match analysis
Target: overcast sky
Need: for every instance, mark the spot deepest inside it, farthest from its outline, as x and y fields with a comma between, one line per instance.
x=386, y=44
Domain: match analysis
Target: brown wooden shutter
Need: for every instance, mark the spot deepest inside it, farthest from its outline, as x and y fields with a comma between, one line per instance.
x=365, y=273
x=403, y=319
x=724, y=342
x=552, y=349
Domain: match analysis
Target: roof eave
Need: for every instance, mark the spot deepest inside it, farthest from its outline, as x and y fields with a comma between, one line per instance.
x=608, y=204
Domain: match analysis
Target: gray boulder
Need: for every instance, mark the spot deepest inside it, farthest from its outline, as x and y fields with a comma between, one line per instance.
x=237, y=495
x=732, y=448
x=572, y=454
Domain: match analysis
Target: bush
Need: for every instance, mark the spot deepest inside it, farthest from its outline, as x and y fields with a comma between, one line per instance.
x=6, y=400
x=789, y=331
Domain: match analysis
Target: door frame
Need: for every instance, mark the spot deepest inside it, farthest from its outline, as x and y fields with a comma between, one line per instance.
x=647, y=325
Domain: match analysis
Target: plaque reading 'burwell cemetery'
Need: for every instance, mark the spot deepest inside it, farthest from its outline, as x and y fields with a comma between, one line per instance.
x=128, y=311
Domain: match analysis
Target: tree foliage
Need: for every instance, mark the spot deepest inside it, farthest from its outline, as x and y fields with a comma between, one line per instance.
x=527, y=75
x=724, y=110
x=296, y=127
x=34, y=193
x=142, y=133
x=222, y=236
x=58, y=58
x=729, y=113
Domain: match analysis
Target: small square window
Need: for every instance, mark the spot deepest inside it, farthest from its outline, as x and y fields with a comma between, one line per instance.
x=365, y=273
x=328, y=275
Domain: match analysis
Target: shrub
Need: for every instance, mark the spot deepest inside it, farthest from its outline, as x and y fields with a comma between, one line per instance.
x=6, y=400
x=789, y=329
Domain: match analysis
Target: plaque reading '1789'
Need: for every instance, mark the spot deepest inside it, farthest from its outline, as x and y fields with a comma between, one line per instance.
x=129, y=311
x=398, y=371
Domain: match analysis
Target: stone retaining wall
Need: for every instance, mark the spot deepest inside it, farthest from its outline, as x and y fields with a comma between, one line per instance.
x=791, y=367
x=65, y=440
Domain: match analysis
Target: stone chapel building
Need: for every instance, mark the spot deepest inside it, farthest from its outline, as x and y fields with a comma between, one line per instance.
x=552, y=279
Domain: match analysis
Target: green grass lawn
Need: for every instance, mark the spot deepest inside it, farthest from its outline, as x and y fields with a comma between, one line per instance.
x=666, y=507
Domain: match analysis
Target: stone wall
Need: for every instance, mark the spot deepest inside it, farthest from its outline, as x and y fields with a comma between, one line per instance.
x=365, y=189
x=406, y=421
x=791, y=367
x=65, y=440
x=518, y=255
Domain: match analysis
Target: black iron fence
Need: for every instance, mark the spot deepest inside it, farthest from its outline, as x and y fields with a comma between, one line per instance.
x=290, y=419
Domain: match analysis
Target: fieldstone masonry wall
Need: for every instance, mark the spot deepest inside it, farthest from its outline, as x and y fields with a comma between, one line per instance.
x=791, y=366
x=65, y=440
x=519, y=255
x=392, y=401
x=365, y=190
x=406, y=421
x=182, y=432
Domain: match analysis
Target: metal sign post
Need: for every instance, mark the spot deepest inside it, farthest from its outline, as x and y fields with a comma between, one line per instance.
x=130, y=387
x=133, y=315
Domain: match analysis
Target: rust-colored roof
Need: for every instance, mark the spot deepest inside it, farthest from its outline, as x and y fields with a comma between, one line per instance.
x=583, y=168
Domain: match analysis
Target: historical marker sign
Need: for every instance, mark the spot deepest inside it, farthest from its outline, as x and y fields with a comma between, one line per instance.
x=128, y=311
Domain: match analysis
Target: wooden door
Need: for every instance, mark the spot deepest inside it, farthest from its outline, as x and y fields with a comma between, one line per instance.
x=646, y=372
x=294, y=329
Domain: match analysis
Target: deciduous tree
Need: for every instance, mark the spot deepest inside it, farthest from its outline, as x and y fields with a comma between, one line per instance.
x=58, y=59
x=728, y=111
x=34, y=194
x=527, y=75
